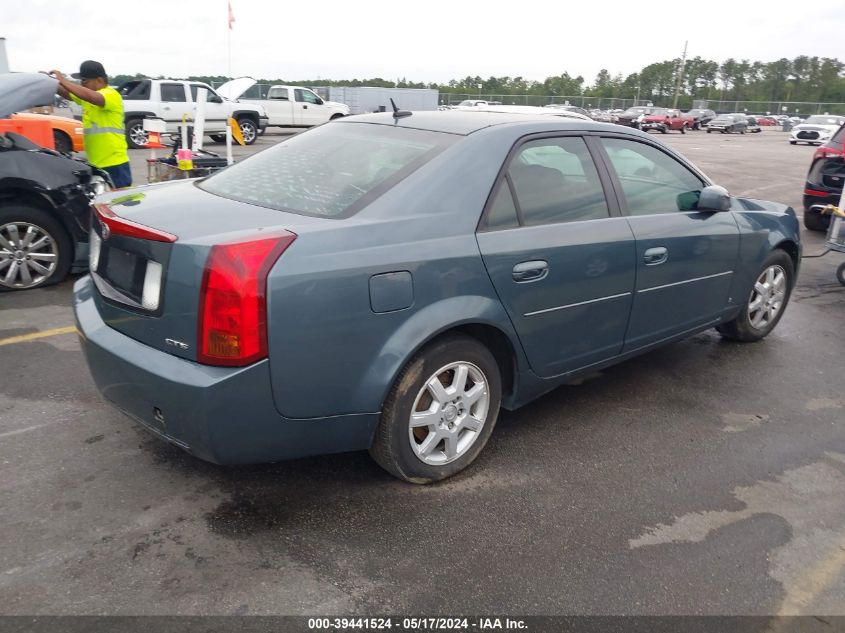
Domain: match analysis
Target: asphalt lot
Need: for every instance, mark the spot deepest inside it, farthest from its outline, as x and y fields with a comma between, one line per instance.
x=704, y=478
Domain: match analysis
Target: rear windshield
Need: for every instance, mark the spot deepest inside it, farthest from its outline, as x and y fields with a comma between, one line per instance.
x=331, y=171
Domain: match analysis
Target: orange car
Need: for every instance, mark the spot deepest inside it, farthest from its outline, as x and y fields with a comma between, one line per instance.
x=67, y=133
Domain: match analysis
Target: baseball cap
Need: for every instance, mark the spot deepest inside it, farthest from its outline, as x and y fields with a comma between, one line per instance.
x=89, y=69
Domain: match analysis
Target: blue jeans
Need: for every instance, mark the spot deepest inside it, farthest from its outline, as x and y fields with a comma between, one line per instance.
x=121, y=175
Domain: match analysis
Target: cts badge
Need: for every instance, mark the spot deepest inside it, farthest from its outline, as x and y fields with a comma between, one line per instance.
x=175, y=343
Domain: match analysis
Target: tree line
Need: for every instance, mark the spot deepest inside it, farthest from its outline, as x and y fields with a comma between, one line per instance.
x=802, y=79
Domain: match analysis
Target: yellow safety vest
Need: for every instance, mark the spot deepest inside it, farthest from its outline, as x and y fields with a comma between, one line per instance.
x=102, y=127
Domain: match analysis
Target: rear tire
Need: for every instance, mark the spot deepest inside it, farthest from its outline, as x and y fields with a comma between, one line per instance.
x=816, y=221
x=41, y=249
x=766, y=302
x=430, y=406
x=683, y=129
x=840, y=273
x=793, y=142
x=136, y=137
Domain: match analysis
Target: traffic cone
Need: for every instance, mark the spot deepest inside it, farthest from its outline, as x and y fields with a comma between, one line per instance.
x=154, y=140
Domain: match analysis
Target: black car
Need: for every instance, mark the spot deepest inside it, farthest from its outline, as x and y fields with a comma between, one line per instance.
x=632, y=116
x=44, y=197
x=824, y=181
x=702, y=117
x=728, y=124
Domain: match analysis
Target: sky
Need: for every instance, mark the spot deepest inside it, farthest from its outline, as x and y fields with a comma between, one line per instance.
x=431, y=41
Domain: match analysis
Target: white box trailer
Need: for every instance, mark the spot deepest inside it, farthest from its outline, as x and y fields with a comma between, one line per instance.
x=364, y=99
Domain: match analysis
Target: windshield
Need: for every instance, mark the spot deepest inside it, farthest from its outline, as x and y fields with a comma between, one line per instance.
x=825, y=120
x=637, y=111
x=331, y=171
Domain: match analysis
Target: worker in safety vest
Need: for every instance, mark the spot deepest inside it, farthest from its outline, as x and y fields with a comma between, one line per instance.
x=102, y=120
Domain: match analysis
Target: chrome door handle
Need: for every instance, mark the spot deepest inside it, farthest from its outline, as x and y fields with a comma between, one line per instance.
x=655, y=256
x=530, y=271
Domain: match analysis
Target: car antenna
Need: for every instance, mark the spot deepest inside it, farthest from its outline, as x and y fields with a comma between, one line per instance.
x=397, y=113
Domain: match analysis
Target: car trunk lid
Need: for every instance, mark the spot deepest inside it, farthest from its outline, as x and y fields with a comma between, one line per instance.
x=149, y=251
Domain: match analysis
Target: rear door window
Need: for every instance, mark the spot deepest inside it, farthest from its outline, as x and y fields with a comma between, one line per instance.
x=173, y=93
x=280, y=94
x=555, y=180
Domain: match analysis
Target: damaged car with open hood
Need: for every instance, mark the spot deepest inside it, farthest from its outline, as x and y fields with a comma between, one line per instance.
x=44, y=196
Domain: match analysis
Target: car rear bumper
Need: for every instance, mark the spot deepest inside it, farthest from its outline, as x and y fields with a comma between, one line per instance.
x=222, y=415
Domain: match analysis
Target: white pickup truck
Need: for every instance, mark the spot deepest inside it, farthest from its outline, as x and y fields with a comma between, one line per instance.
x=286, y=106
x=171, y=100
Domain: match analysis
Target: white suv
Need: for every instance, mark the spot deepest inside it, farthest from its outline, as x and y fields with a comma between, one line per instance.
x=171, y=100
x=816, y=130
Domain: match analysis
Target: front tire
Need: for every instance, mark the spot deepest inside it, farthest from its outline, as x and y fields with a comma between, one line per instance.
x=683, y=129
x=35, y=250
x=249, y=130
x=440, y=411
x=766, y=302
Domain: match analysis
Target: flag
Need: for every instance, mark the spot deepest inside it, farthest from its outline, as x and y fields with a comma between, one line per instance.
x=231, y=16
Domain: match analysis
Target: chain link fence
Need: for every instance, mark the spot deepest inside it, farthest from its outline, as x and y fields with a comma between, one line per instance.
x=791, y=108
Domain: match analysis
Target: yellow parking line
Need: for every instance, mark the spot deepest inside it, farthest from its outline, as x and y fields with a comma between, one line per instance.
x=37, y=335
x=815, y=581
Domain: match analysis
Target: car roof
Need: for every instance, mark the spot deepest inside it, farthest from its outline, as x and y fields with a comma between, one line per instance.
x=466, y=122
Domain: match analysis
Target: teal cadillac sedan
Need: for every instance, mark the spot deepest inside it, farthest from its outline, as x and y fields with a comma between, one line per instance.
x=390, y=281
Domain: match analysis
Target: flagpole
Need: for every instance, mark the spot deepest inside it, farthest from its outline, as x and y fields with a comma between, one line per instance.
x=229, y=33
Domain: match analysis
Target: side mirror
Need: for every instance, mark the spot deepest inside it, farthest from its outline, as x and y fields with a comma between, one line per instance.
x=215, y=99
x=319, y=101
x=714, y=198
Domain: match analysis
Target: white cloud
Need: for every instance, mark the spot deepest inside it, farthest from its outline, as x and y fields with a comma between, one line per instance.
x=433, y=41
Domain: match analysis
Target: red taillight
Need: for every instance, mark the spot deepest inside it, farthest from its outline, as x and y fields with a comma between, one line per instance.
x=122, y=226
x=813, y=192
x=826, y=152
x=233, y=303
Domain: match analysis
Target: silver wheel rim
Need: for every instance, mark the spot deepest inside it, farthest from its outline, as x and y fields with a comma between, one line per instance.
x=449, y=413
x=767, y=297
x=137, y=134
x=28, y=255
x=247, y=131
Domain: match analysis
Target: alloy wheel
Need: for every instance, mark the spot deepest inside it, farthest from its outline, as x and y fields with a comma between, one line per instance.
x=248, y=131
x=28, y=255
x=137, y=134
x=449, y=413
x=767, y=297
